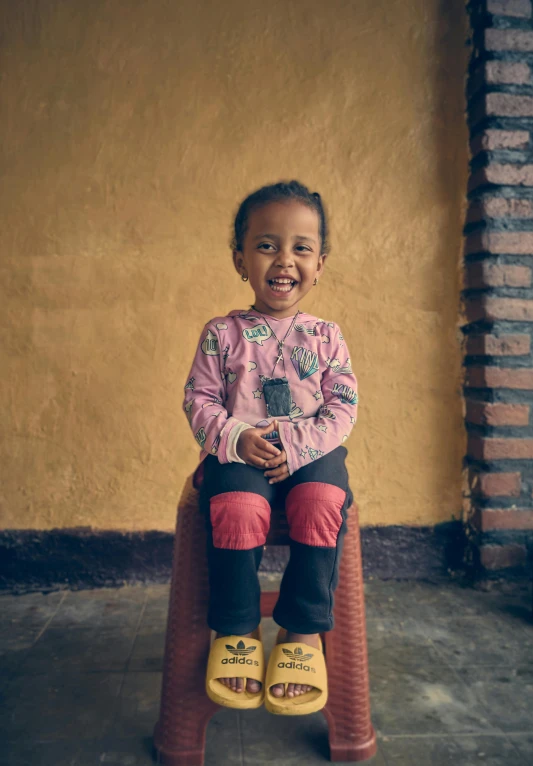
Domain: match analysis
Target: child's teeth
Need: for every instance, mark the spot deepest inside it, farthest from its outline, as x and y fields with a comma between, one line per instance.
x=281, y=285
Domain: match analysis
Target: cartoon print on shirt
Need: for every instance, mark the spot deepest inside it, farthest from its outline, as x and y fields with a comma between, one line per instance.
x=295, y=412
x=303, y=328
x=238, y=391
x=346, y=394
x=201, y=437
x=215, y=401
x=304, y=361
x=257, y=334
x=210, y=344
x=325, y=412
x=337, y=367
x=314, y=453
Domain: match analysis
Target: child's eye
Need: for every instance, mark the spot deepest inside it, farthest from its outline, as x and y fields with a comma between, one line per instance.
x=264, y=245
x=303, y=248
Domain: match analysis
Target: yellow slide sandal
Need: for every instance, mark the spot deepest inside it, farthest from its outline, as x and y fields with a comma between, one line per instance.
x=295, y=663
x=236, y=657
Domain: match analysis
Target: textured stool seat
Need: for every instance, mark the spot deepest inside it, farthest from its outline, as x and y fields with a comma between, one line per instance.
x=179, y=736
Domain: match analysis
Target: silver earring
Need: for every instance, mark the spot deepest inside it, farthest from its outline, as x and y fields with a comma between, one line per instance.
x=244, y=278
x=315, y=282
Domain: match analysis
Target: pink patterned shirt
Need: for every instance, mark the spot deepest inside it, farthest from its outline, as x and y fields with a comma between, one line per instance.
x=224, y=388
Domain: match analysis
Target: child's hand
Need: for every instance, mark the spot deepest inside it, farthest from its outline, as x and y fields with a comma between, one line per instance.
x=278, y=468
x=253, y=449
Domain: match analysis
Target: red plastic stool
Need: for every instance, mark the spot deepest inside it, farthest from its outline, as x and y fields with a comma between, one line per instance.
x=179, y=735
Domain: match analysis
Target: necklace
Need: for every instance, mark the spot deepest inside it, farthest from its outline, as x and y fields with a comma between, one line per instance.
x=279, y=342
x=277, y=393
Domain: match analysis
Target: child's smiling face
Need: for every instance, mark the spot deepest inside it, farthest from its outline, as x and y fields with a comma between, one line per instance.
x=281, y=255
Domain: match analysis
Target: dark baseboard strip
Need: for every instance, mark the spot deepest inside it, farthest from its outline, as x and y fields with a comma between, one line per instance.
x=85, y=558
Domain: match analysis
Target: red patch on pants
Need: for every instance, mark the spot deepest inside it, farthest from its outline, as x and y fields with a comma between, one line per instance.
x=240, y=520
x=314, y=513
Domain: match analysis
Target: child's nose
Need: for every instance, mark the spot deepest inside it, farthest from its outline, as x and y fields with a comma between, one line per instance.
x=285, y=258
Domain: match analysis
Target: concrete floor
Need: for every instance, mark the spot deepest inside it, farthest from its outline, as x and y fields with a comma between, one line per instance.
x=451, y=674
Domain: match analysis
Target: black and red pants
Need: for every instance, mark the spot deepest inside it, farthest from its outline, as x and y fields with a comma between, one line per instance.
x=235, y=499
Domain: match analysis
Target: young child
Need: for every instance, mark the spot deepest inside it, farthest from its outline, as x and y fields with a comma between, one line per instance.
x=270, y=398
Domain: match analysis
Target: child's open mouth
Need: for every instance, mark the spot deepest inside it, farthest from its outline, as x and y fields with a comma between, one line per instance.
x=281, y=285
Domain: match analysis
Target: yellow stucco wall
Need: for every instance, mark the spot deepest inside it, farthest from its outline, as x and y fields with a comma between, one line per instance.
x=131, y=131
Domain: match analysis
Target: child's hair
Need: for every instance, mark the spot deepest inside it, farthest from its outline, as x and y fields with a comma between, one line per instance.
x=281, y=192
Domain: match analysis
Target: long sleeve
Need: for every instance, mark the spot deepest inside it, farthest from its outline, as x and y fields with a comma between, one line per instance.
x=308, y=439
x=205, y=397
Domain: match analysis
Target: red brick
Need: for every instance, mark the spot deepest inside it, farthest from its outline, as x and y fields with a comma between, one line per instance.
x=503, y=345
x=509, y=174
x=508, y=105
x=511, y=208
x=499, y=207
x=518, y=8
x=490, y=140
x=487, y=448
x=490, y=308
x=497, y=414
x=498, y=377
x=508, y=40
x=496, y=484
x=500, y=72
x=506, y=518
x=501, y=105
x=503, y=556
x=482, y=274
x=502, y=175
x=497, y=242
x=515, y=242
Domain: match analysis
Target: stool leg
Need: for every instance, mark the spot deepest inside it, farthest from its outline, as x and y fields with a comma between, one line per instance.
x=179, y=736
x=351, y=736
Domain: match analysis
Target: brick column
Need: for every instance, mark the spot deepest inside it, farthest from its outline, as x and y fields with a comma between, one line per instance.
x=498, y=283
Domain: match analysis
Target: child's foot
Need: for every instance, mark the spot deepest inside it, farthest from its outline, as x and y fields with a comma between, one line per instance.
x=294, y=690
x=237, y=684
